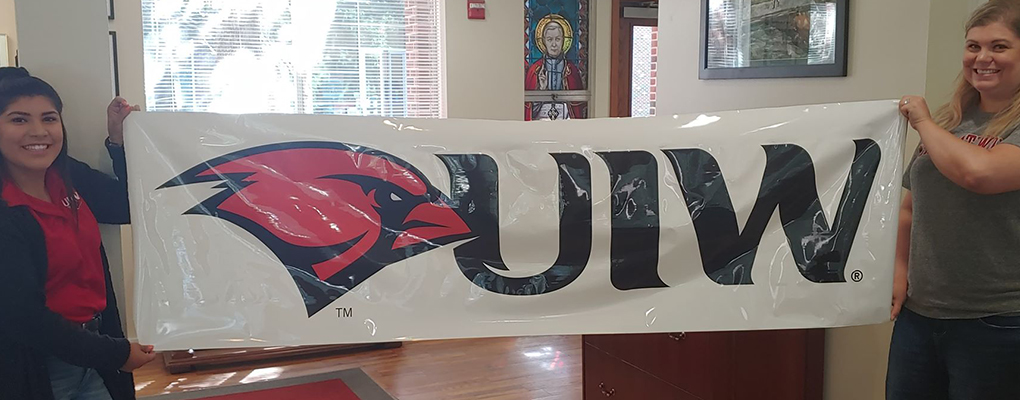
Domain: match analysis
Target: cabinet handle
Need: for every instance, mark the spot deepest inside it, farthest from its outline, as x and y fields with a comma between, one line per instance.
x=678, y=336
x=607, y=392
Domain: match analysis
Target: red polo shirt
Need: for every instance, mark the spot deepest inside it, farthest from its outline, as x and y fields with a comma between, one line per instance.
x=75, y=282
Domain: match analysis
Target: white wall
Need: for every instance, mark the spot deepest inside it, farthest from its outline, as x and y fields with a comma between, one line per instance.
x=8, y=27
x=887, y=59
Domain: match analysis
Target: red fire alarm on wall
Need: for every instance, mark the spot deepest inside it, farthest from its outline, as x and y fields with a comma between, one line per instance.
x=476, y=9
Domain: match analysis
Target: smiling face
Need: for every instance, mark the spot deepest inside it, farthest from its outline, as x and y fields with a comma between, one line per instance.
x=31, y=134
x=991, y=62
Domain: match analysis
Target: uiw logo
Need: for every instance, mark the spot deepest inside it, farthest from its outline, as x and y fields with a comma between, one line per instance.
x=335, y=214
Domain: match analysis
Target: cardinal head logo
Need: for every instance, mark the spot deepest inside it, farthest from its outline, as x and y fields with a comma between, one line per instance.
x=334, y=214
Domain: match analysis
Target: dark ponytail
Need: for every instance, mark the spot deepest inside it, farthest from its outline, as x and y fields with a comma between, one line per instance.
x=13, y=72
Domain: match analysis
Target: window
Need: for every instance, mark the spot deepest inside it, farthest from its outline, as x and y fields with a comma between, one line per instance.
x=353, y=57
x=644, y=67
x=556, y=59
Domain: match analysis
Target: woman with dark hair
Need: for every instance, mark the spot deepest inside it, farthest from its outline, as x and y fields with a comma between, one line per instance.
x=60, y=331
x=956, y=297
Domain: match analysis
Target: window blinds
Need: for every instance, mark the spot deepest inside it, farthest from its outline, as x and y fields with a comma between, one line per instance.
x=354, y=57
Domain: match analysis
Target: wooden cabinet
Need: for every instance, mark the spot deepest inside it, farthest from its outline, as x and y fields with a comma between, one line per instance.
x=758, y=365
x=606, y=376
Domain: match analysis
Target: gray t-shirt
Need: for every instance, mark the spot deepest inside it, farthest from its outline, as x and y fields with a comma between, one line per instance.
x=964, y=246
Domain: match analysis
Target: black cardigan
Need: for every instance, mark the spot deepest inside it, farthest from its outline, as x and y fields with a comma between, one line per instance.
x=29, y=331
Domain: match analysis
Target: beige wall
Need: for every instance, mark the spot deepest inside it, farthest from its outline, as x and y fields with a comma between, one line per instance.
x=888, y=55
x=484, y=62
x=8, y=27
x=945, y=33
x=945, y=52
x=888, y=51
x=945, y=47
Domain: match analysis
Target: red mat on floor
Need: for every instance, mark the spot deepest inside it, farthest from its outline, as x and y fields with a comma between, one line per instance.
x=333, y=389
x=351, y=384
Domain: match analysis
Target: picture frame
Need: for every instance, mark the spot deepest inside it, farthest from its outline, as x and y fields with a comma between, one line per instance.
x=755, y=39
x=556, y=38
x=114, y=67
x=109, y=10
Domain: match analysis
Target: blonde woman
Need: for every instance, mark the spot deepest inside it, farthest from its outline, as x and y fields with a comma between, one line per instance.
x=956, y=299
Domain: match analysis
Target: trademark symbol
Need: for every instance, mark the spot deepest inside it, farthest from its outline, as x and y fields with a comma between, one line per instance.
x=857, y=276
x=344, y=312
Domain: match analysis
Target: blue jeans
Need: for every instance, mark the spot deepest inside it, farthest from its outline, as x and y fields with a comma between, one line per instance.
x=971, y=359
x=71, y=382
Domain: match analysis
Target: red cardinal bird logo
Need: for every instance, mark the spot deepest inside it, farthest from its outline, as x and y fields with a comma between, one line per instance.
x=333, y=213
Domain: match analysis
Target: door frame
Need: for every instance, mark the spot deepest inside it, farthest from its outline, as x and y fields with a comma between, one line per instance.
x=621, y=56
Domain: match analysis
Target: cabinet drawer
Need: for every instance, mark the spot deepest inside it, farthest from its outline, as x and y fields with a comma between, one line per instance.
x=779, y=364
x=606, y=377
x=695, y=362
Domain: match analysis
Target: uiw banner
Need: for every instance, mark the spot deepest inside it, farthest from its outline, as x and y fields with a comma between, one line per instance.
x=262, y=230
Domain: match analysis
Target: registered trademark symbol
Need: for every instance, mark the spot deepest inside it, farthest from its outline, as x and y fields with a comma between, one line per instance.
x=857, y=276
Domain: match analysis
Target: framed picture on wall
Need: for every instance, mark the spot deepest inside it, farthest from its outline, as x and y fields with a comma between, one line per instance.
x=556, y=70
x=109, y=9
x=744, y=39
x=114, y=68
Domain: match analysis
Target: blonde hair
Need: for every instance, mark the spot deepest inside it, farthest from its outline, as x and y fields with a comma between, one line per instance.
x=965, y=96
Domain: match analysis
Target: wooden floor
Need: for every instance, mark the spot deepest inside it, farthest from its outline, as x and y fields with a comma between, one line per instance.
x=535, y=368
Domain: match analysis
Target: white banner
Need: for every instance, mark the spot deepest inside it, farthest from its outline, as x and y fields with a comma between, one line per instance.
x=263, y=230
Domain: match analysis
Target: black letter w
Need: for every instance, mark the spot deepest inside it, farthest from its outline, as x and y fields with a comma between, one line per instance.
x=789, y=183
